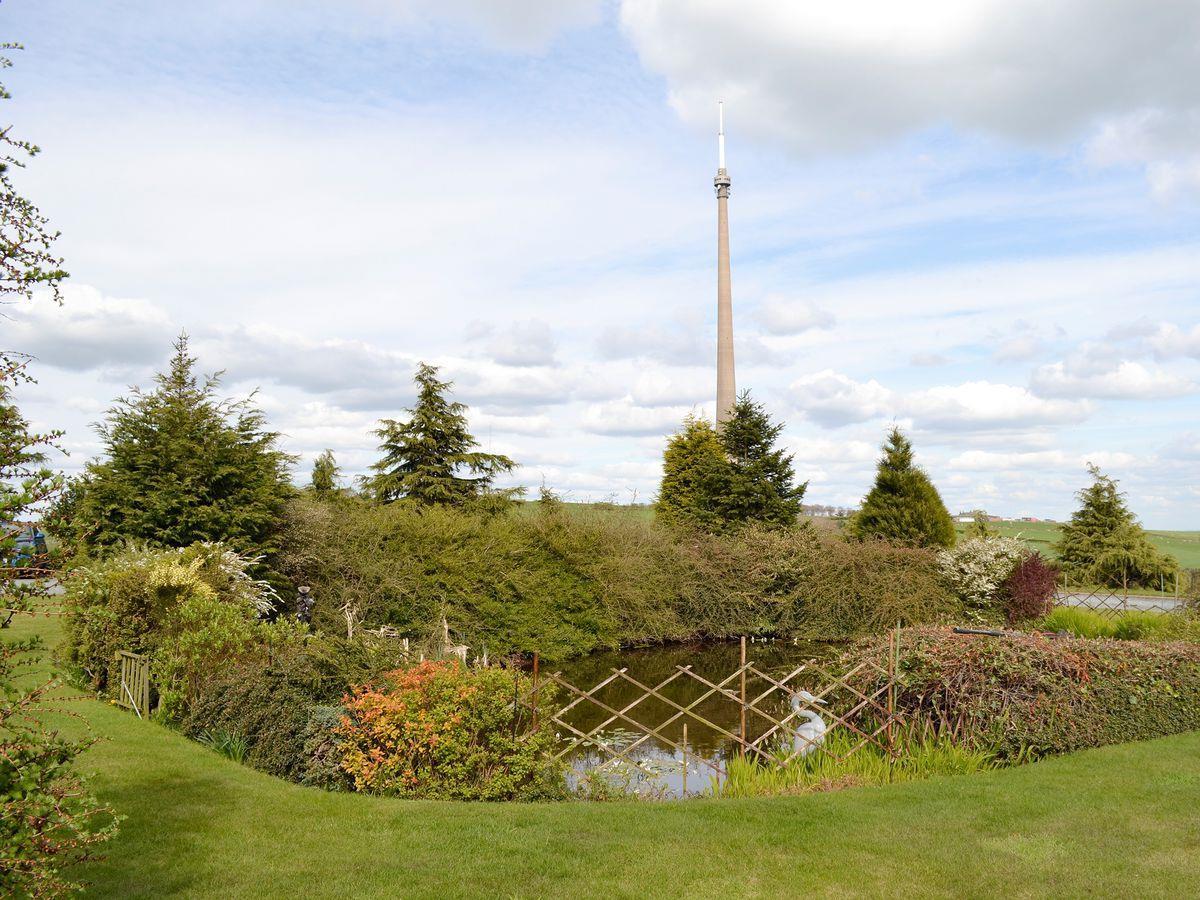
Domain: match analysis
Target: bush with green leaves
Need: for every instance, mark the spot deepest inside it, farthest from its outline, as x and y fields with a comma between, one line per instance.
x=977, y=570
x=1025, y=696
x=263, y=708
x=1103, y=543
x=565, y=582
x=181, y=465
x=903, y=506
x=721, y=480
x=443, y=731
x=1125, y=625
x=191, y=609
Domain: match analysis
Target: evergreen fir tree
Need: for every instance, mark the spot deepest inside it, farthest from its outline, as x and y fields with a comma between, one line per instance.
x=182, y=465
x=696, y=477
x=762, y=485
x=425, y=458
x=903, y=506
x=325, y=474
x=1104, y=543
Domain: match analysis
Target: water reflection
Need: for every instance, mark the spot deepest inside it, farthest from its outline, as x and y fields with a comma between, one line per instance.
x=660, y=766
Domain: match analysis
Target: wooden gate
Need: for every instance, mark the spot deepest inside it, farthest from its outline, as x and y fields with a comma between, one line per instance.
x=135, y=683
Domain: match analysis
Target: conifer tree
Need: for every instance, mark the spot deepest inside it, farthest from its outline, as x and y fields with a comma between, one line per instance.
x=903, y=506
x=325, y=474
x=182, y=465
x=1104, y=543
x=431, y=458
x=762, y=485
x=695, y=479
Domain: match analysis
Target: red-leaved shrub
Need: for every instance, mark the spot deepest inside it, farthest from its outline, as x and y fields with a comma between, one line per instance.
x=1029, y=590
x=440, y=730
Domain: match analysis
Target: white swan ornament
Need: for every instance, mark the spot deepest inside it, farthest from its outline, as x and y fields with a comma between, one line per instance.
x=811, y=733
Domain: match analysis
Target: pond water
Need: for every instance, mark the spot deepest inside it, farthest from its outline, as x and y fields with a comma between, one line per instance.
x=707, y=747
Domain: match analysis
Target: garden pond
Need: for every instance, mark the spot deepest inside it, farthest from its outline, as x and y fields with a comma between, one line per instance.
x=660, y=765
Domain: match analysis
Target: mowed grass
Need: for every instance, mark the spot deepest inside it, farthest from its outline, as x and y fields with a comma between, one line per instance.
x=1118, y=821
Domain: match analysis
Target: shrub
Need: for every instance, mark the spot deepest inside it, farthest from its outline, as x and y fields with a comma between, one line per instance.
x=976, y=571
x=135, y=597
x=1080, y=622
x=1027, y=696
x=903, y=505
x=323, y=750
x=443, y=731
x=264, y=709
x=1029, y=590
x=1128, y=625
x=564, y=581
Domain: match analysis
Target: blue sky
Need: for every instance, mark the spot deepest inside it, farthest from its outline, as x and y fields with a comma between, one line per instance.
x=976, y=219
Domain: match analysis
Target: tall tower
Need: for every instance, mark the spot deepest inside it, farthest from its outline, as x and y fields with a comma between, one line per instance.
x=726, y=388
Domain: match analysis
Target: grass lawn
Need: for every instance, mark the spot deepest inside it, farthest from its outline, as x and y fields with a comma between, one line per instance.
x=1183, y=545
x=1117, y=821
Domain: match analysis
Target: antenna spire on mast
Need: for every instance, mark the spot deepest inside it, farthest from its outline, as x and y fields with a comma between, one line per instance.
x=720, y=134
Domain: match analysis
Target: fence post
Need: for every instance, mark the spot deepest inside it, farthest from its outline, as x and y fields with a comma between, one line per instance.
x=893, y=646
x=685, y=760
x=536, y=661
x=742, y=733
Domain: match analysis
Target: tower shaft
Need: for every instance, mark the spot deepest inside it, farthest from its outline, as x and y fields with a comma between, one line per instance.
x=726, y=386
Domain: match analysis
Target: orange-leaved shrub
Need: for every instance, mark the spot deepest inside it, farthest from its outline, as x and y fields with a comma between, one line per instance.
x=441, y=730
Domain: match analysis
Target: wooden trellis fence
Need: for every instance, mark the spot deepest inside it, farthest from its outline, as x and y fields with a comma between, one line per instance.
x=135, y=683
x=868, y=715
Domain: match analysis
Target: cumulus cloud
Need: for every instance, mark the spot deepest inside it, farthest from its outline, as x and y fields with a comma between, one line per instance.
x=624, y=417
x=528, y=343
x=833, y=399
x=821, y=76
x=519, y=25
x=1114, y=379
x=90, y=331
x=779, y=315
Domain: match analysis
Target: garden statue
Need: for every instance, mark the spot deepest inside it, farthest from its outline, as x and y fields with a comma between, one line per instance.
x=809, y=736
x=304, y=605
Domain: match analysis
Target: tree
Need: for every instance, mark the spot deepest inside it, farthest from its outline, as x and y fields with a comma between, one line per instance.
x=325, y=474
x=1104, y=543
x=182, y=465
x=762, y=486
x=696, y=477
x=431, y=459
x=721, y=480
x=903, y=506
x=49, y=822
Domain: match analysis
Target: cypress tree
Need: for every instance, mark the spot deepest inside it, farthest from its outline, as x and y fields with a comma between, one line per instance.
x=696, y=477
x=1103, y=542
x=182, y=465
x=762, y=485
x=325, y=474
x=903, y=506
x=430, y=458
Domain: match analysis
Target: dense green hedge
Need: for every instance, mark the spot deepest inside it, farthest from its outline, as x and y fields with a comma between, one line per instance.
x=1026, y=696
x=563, y=582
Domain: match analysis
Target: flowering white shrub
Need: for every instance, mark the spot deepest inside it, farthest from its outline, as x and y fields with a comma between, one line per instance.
x=976, y=569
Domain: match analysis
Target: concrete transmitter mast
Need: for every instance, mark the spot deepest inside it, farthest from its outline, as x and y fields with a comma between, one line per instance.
x=726, y=386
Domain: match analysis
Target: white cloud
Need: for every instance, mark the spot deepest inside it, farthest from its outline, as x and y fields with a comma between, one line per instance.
x=780, y=315
x=821, y=76
x=626, y=418
x=528, y=343
x=89, y=330
x=518, y=25
x=1114, y=379
x=833, y=399
x=1171, y=341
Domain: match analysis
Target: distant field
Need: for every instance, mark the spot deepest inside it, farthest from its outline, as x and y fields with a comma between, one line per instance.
x=1183, y=545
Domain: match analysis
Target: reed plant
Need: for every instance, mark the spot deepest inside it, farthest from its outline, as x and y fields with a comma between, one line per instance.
x=840, y=762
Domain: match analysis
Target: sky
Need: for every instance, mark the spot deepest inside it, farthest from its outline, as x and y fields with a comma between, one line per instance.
x=975, y=219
